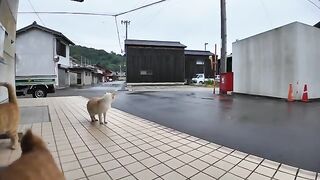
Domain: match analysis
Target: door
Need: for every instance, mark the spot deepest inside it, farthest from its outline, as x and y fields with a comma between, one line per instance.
x=79, y=78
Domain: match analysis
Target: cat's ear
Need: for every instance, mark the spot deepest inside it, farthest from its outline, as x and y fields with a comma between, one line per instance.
x=30, y=142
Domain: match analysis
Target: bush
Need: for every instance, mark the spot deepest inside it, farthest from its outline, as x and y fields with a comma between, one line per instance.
x=210, y=82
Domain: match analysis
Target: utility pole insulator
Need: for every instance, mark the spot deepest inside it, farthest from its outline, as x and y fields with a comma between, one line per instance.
x=126, y=22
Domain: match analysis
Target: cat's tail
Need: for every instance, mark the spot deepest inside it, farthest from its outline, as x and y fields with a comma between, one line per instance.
x=11, y=92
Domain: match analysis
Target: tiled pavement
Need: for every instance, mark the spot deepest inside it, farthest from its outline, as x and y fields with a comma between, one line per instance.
x=130, y=147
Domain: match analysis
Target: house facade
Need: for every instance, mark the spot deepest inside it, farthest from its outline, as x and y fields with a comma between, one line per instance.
x=8, y=21
x=265, y=64
x=155, y=61
x=47, y=54
x=85, y=74
x=198, y=62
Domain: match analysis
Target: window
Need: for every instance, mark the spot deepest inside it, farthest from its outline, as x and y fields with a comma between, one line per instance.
x=145, y=72
x=60, y=48
x=200, y=62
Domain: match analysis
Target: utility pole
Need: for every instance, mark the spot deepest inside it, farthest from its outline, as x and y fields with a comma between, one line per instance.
x=126, y=22
x=223, y=57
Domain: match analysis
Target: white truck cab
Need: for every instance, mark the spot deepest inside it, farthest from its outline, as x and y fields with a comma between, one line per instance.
x=199, y=78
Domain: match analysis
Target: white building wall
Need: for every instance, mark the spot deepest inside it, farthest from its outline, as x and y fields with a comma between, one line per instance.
x=73, y=78
x=35, y=53
x=8, y=19
x=86, y=78
x=267, y=63
x=308, y=59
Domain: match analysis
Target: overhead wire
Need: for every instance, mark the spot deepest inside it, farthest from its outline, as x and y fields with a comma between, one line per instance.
x=115, y=19
x=88, y=13
x=36, y=12
x=67, y=13
x=313, y=3
x=266, y=12
x=92, y=14
x=141, y=7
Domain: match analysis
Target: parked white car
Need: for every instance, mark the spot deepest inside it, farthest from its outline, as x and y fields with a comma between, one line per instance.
x=200, y=79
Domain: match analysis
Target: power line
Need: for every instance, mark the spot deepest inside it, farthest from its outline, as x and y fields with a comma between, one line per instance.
x=36, y=12
x=115, y=19
x=141, y=7
x=92, y=14
x=313, y=4
x=266, y=12
x=67, y=13
x=88, y=13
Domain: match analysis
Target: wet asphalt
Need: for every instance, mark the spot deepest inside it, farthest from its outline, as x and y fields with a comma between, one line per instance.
x=273, y=129
x=270, y=128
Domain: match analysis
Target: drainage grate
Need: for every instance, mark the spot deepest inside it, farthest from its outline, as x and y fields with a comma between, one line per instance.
x=30, y=115
x=36, y=114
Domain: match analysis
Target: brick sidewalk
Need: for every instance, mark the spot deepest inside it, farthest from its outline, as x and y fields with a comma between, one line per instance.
x=130, y=147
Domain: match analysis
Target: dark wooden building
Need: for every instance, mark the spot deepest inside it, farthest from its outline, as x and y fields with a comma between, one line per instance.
x=229, y=64
x=155, y=61
x=317, y=25
x=198, y=62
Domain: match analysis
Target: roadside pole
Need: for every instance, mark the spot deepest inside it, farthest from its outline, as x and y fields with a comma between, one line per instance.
x=214, y=68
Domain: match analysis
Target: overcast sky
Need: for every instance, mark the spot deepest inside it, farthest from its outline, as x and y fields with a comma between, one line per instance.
x=192, y=22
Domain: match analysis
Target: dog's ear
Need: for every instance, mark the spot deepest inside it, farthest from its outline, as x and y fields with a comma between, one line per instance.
x=30, y=142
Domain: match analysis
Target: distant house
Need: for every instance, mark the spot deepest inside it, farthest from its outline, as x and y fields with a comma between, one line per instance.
x=154, y=61
x=80, y=74
x=101, y=73
x=85, y=74
x=198, y=62
x=42, y=51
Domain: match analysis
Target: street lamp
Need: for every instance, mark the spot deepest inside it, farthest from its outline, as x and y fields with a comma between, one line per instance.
x=205, y=46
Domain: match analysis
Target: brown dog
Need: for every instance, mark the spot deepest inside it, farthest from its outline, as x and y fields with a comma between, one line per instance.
x=35, y=163
x=9, y=116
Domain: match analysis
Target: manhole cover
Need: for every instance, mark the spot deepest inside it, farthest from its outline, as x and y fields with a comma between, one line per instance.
x=35, y=114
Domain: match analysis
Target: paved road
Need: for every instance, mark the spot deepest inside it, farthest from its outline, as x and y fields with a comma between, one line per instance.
x=273, y=129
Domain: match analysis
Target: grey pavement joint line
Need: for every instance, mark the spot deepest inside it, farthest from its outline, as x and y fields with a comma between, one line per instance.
x=149, y=168
x=106, y=148
x=71, y=105
x=273, y=176
x=191, y=155
x=54, y=137
x=59, y=118
x=124, y=127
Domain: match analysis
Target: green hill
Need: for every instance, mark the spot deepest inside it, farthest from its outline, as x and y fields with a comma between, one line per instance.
x=111, y=60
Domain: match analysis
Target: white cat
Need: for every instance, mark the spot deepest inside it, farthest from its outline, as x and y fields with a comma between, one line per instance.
x=99, y=106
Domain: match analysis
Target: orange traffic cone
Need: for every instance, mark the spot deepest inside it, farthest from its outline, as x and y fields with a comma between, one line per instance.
x=305, y=94
x=290, y=93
